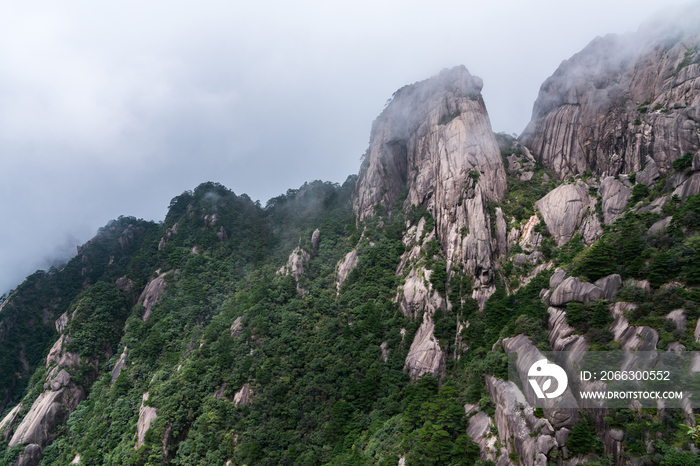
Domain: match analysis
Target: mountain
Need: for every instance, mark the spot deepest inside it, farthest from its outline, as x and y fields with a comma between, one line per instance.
x=372, y=322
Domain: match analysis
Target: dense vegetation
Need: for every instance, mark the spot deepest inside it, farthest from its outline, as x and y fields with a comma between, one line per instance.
x=323, y=366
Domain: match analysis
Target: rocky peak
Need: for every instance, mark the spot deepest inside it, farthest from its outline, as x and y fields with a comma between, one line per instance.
x=434, y=142
x=621, y=100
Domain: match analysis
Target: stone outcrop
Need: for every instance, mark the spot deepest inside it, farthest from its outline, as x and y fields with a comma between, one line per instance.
x=527, y=355
x=630, y=337
x=344, y=267
x=689, y=187
x=237, y=327
x=649, y=174
x=298, y=259
x=150, y=295
x=147, y=414
x=425, y=354
x=31, y=456
x=621, y=99
x=119, y=365
x=564, y=209
x=678, y=318
x=49, y=409
x=417, y=295
x=660, y=226
x=573, y=289
x=434, y=139
x=614, y=196
x=530, y=438
x=501, y=233
x=244, y=396
x=479, y=429
x=9, y=421
x=609, y=285
x=58, y=400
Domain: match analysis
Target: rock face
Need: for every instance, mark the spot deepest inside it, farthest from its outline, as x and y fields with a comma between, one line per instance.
x=120, y=364
x=434, y=139
x=479, y=429
x=609, y=285
x=31, y=456
x=45, y=414
x=619, y=100
x=243, y=396
x=425, y=354
x=345, y=266
x=614, y=196
x=518, y=428
x=147, y=414
x=564, y=209
x=151, y=293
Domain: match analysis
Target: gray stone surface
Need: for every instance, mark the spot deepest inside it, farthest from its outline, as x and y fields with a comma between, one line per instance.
x=152, y=293
x=649, y=174
x=501, y=233
x=453, y=168
x=237, y=327
x=589, y=113
x=119, y=365
x=614, y=196
x=147, y=414
x=31, y=456
x=660, y=226
x=345, y=266
x=678, y=318
x=573, y=289
x=689, y=187
x=609, y=285
x=243, y=396
x=564, y=209
x=557, y=277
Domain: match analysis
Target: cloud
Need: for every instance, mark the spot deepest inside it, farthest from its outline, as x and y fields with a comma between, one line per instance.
x=114, y=108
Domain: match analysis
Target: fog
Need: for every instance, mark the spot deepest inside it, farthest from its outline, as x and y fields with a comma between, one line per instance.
x=111, y=109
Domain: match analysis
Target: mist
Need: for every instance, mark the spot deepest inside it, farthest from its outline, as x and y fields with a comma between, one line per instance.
x=114, y=109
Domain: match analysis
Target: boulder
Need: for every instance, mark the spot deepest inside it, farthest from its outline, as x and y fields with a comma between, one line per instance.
x=678, y=318
x=573, y=289
x=425, y=355
x=564, y=209
x=557, y=277
x=650, y=174
x=614, y=197
x=31, y=456
x=660, y=226
x=609, y=285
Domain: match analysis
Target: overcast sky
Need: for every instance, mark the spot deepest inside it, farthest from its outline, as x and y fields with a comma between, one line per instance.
x=113, y=108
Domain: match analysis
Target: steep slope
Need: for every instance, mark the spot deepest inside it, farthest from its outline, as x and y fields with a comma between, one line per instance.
x=622, y=101
x=433, y=144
